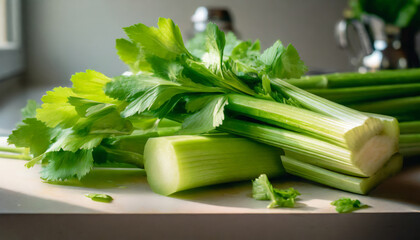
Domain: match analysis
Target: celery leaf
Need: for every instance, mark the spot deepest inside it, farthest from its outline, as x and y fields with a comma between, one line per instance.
x=346, y=205
x=64, y=164
x=210, y=116
x=165, y=41
x=32, y=134
x=282, y=62
x=131, y=54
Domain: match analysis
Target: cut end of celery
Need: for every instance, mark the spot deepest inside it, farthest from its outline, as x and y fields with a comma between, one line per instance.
x=375, y=153
x=161, y=166
x=177, y=163
x=359, y=135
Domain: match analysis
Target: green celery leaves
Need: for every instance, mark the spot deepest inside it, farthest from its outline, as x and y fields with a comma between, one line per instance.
x=164, y=42
x=167, y=81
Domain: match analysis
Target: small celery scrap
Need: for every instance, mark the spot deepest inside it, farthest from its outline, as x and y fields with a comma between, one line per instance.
x=99, y=197
x=263, y=190
x=346, y=205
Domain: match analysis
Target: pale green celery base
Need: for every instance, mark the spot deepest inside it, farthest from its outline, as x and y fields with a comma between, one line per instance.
x=374, y=153
x=341, y=181
x=177, y=163
x=364, y=127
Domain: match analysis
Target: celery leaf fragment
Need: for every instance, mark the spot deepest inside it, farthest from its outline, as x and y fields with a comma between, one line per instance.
x=346, y=205
x=100, y=197
x=263, y=190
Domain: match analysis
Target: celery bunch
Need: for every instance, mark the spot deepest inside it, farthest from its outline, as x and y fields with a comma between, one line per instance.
x=225, y=84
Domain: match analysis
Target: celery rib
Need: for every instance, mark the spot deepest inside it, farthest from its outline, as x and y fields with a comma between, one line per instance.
x=341, y=181
x=369, y=93
x=397, y=106
x=351, y=79
x=364, y=162
x=410, y=127
x=292, y=118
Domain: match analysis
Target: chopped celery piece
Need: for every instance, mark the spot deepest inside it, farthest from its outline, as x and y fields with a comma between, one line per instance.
x=341, y=181
x=364, y=162
x=177, y=163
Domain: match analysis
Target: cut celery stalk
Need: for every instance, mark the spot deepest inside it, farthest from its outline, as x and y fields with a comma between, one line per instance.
x=348, y=134
x=177, y=163
x=410, y=127
x=364, y=162
x=362, y=127
x=341, y=181
x=391, y=125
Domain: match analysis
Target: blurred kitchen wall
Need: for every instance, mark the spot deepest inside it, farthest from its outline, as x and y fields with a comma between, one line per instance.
x=63, y=37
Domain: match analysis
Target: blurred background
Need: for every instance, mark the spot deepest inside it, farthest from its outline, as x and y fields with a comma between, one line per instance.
x=44, y=42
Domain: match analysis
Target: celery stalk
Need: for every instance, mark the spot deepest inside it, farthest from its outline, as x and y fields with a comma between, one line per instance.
x=341, y=181
x=349, y=134
x=177, y=163
x=16, y=156
x=410, y=144
x=363, y=127
x=397, y=106
x=410, y=127
x=13, y=149
x=340, y=80
x=364, y=162
x=369, y=93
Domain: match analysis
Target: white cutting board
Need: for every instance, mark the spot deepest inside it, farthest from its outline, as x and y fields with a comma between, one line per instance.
x=22, y=191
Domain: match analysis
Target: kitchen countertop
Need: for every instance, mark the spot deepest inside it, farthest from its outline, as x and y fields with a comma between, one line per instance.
x=22, y=191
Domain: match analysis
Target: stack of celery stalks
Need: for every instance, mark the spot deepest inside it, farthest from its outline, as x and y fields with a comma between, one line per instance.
x=388, y=92
x=220, y=110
